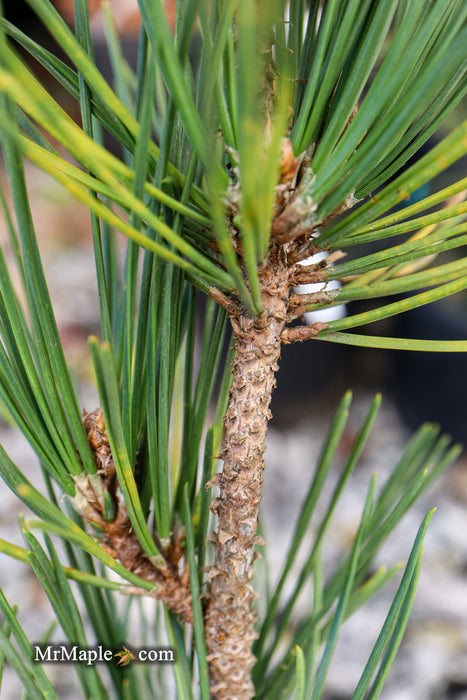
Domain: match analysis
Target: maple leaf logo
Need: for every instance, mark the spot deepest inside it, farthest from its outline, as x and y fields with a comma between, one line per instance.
x=126, y=655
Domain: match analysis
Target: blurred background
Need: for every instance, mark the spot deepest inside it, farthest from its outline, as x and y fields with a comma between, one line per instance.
x=416, y=387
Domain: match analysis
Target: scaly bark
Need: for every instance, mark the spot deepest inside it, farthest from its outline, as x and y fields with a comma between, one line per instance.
x=116, y=535
x=230, y=598
x=230, y=613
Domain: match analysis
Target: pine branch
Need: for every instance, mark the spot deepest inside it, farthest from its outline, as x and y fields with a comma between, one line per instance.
x=105, y=513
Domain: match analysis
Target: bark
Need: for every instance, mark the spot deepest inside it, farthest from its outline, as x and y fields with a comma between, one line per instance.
x=230, y=611
x=117, y=537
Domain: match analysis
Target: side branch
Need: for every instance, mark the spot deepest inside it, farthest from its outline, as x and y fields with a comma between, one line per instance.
x=309, y=274
x=116, y=535
x=324, y=297
x=301, y=333
x=230, y=305
x=314, y=272
x=299, y=303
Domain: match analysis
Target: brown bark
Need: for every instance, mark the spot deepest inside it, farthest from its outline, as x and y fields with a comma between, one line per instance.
x=117, y=537
x=230, y=613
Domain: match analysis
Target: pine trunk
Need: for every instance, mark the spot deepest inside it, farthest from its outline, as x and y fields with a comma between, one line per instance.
x=230, y=612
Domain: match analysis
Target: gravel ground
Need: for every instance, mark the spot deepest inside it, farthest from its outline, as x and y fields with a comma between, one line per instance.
x=431, y=661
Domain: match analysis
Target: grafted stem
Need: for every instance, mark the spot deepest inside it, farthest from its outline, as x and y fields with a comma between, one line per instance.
x=230, y=610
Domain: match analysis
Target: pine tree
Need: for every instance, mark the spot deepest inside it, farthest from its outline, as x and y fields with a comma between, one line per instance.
x=286, y=135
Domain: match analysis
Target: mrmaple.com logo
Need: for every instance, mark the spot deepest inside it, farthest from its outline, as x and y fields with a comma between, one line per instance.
x=67, y=653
